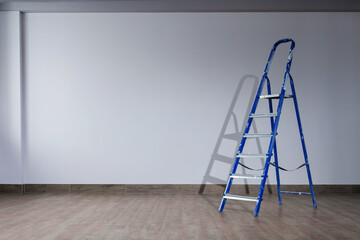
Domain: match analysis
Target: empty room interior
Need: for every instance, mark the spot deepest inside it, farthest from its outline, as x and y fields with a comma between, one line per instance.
x=179, y=119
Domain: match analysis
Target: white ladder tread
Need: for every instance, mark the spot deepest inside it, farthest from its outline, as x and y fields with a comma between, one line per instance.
x=251, y=155
x=275, y=96
x=257, y=135
x=245, y=176
x=242, y=198
x=263, y=115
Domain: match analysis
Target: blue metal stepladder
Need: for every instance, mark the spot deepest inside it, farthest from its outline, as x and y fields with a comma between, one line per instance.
x=272, y=150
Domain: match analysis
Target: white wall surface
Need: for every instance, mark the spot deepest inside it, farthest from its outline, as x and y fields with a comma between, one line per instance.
x=10, y=115
x=135, y=98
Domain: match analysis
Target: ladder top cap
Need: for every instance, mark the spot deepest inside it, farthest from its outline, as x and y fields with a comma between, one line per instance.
x=285, y=40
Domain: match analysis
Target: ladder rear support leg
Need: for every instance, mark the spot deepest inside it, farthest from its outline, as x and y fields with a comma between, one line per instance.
x=277, y=173
x=303, y=141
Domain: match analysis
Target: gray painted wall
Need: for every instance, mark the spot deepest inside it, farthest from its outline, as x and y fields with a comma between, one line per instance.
x=141, y=97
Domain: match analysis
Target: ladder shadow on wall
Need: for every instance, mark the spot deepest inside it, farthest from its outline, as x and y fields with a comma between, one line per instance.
x=231, y=118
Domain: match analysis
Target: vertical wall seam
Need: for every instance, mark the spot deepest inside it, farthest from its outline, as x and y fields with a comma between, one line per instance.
x=23, y=98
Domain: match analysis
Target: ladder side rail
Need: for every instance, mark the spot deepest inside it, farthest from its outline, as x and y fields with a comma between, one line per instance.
x=242, y=144
x=247, y=128
x=302, y=140
x=275, y=148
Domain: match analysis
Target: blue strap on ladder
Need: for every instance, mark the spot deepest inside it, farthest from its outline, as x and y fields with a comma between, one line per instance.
x=272, y=150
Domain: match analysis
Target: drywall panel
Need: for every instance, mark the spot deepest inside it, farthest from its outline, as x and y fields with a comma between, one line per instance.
x=142, y=97
x=10, y=126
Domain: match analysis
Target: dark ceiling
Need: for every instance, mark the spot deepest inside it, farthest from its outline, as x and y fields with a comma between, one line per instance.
x=181, y=5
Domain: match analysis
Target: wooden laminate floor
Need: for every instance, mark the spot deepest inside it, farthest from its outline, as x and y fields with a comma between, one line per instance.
x=87, y=216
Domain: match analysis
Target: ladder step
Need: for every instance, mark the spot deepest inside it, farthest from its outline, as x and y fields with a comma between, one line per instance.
x=243, y=198
x=257, y=135
x=245, y=176
x=248, y=155
x=275, y=96
x=263, y=115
